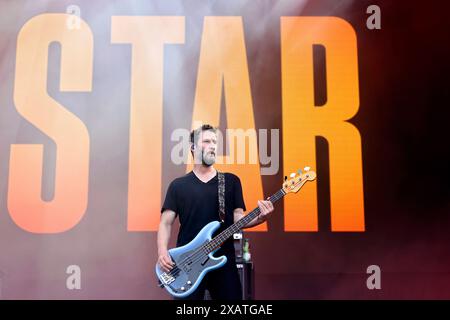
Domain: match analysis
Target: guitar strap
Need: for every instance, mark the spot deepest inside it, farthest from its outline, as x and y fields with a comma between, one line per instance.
x=221, y=191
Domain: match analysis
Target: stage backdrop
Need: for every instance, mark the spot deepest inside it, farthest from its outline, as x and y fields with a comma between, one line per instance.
x=97, y=99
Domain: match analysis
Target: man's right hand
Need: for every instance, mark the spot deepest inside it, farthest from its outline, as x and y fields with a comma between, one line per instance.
x=165, y=261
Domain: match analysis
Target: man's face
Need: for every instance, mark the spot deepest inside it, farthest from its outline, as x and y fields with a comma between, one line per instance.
x=205, y=150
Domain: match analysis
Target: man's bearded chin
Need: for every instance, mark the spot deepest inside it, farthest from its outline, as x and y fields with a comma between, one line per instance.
x=208, y=159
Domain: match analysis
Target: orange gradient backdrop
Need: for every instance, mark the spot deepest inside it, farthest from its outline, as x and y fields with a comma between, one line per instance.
x=222, y=67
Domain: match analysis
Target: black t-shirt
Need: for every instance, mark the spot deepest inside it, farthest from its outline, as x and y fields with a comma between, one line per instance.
x=196, y=203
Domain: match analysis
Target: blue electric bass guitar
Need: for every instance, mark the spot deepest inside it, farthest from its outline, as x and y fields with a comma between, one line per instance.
x=195, y=259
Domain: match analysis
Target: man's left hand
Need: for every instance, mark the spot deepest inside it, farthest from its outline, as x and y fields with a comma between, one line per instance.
x=266, y=208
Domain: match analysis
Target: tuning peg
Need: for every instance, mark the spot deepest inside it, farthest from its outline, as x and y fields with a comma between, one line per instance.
x=299, y=172
x=306, y=169
x=292, y=175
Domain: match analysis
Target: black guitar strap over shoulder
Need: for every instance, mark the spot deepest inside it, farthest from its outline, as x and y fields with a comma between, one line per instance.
x=221, y=177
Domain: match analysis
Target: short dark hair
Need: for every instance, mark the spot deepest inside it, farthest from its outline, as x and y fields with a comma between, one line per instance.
x=196, y=133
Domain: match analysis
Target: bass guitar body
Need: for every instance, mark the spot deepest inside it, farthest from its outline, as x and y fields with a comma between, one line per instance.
x=192, y=263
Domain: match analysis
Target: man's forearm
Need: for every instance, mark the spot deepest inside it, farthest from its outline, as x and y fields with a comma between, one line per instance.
x=163, y=237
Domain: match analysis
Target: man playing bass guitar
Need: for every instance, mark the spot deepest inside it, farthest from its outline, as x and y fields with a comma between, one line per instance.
x=194, y=199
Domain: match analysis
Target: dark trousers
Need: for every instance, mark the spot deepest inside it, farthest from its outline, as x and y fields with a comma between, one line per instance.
x=222, y=284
